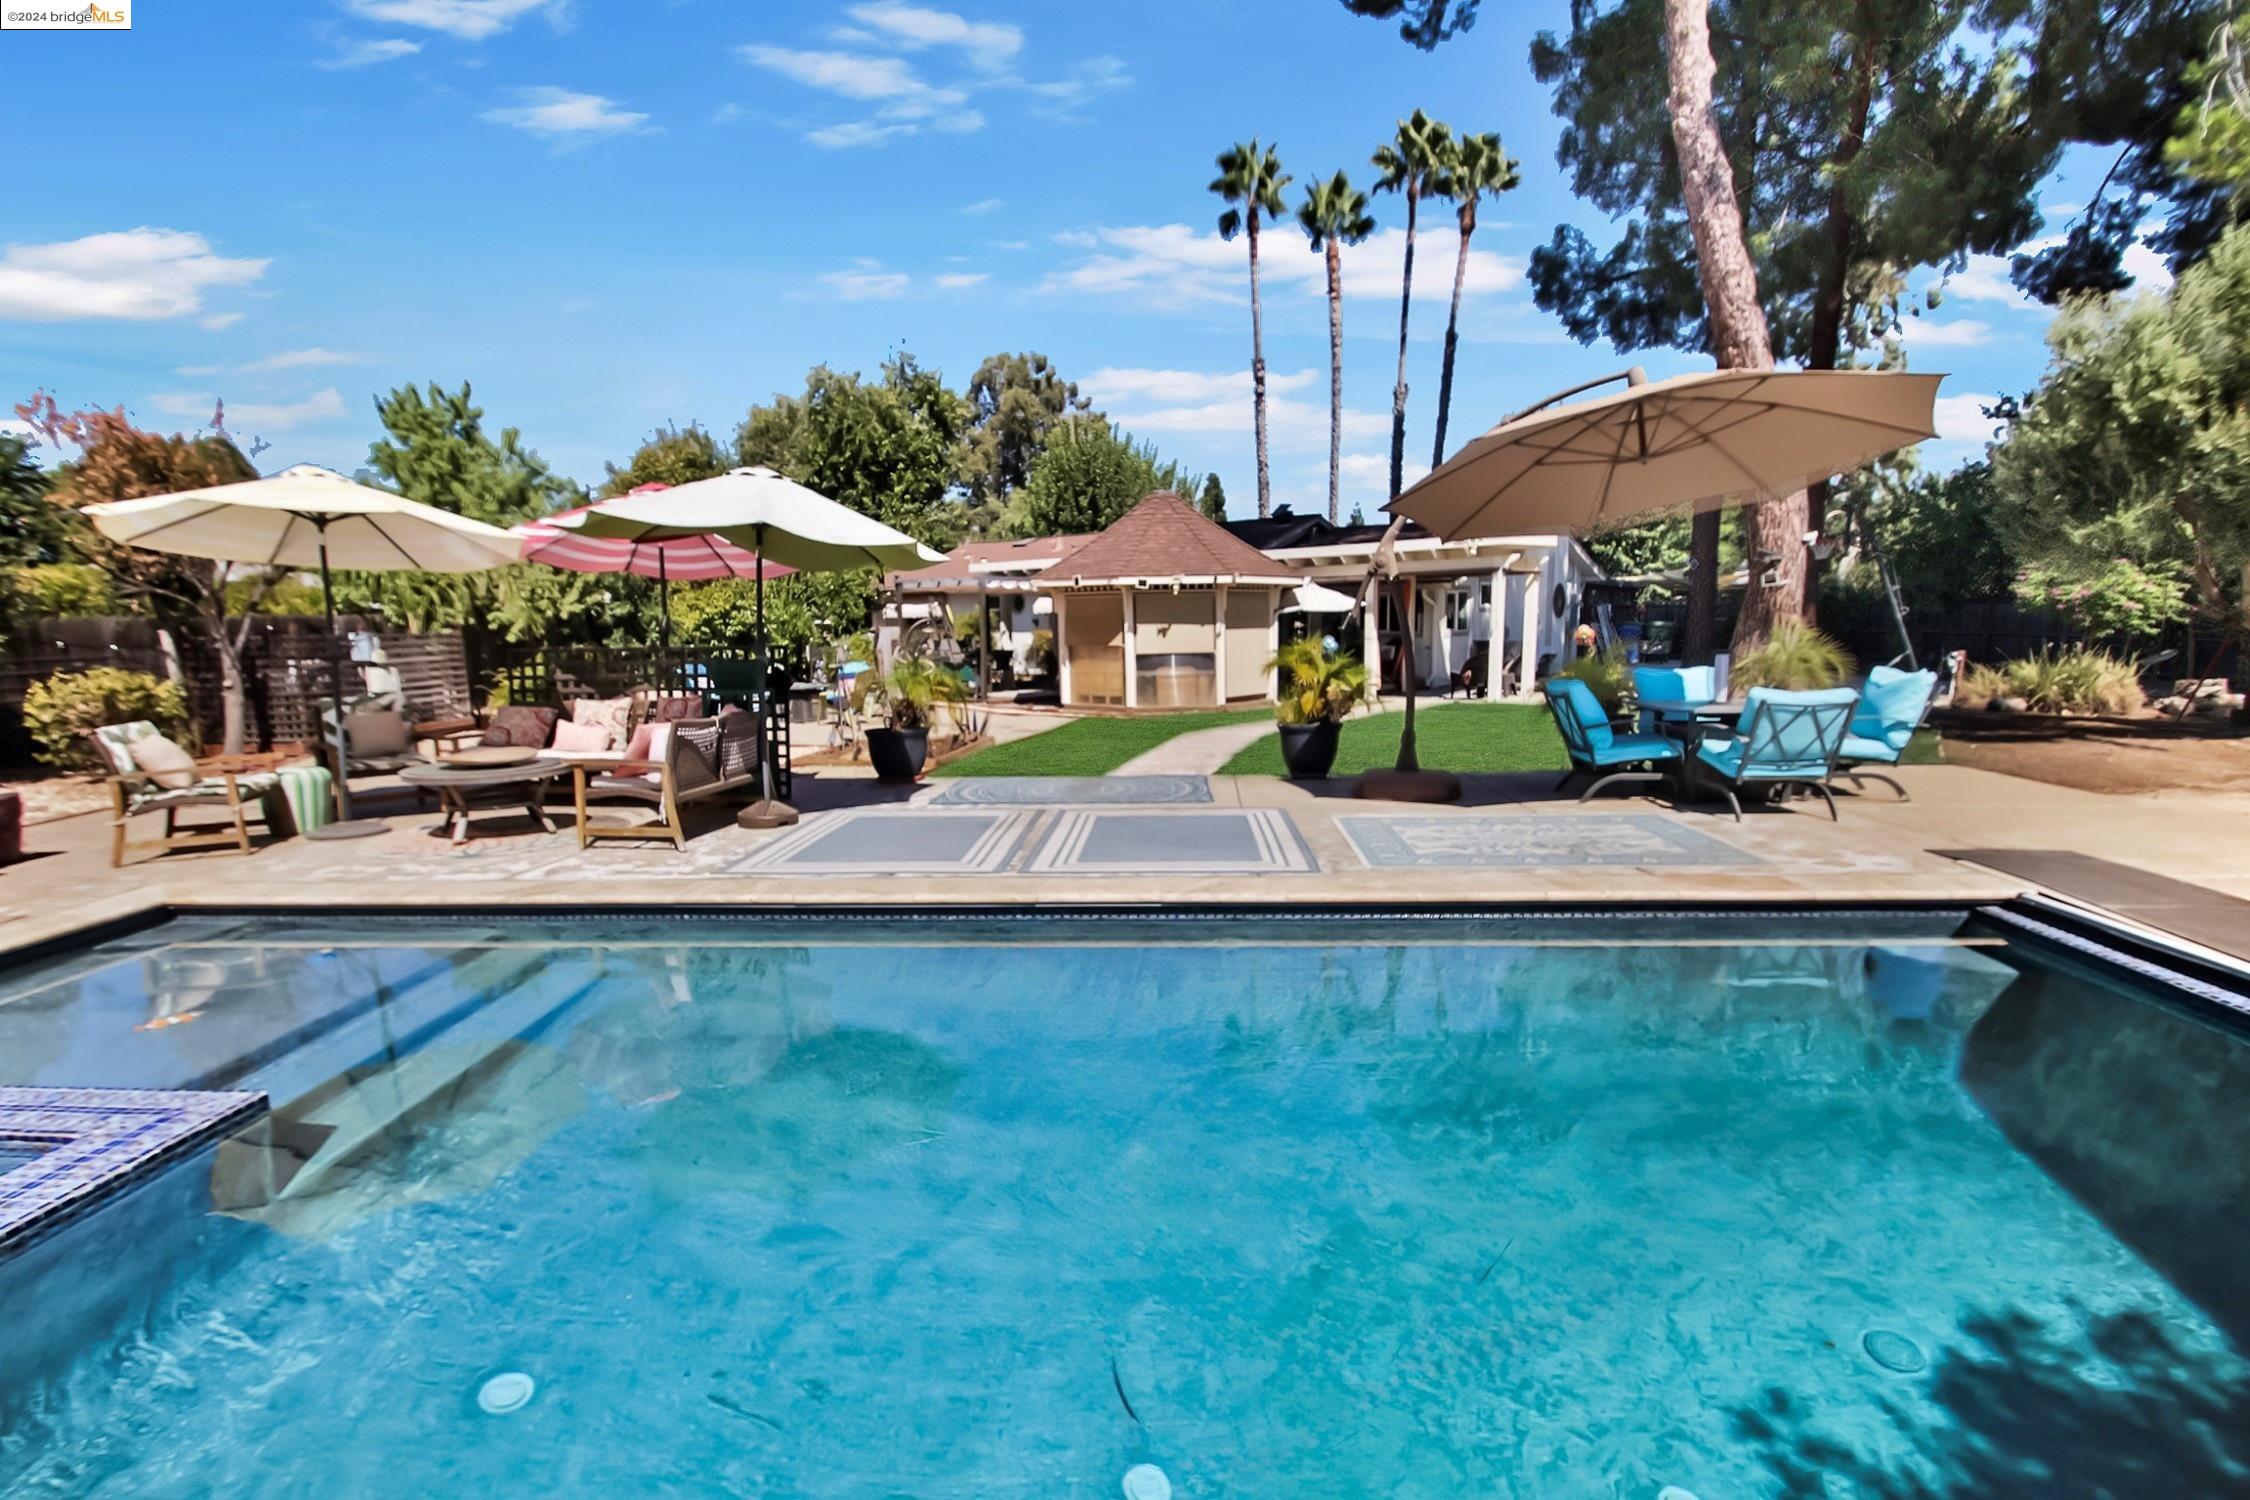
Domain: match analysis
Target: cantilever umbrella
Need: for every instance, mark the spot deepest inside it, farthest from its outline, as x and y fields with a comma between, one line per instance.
x=1724, y=437
x=677, y=559
x=309, y=517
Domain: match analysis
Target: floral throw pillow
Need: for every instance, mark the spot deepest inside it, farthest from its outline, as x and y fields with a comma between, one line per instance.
x=612, y=714
x=521, y=724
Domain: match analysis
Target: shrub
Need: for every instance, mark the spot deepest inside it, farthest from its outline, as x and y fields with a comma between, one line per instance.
x=1795, y=658
x=55, y=590
x=909, y=693
x=2078, y=681
x=2121, y=599
x=1039, y=661
x=1605, y=674
x=62, y=712
x=1321, y=686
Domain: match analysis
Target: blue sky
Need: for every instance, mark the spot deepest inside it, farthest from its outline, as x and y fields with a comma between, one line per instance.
x=608, y=216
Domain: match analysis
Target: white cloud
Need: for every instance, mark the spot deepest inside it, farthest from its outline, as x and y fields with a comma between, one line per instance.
x=1173, y=265
x=219, y=321
x=1985, y=279
x=298, y=359
x=983, y=205
x=12, y=427
x=139, y=274
x=2147, y=268
x=867, y=285
x=954, y=281
x=1961, y=333
x=850, y=74
x=255, y=417
x=470, y=20
x=988, y=44
x=565, y=117
x=1961, y=419
x=1058, y=98
x=367, y=54
x=1011, y=244
x=1149, y=400
x=727, y=114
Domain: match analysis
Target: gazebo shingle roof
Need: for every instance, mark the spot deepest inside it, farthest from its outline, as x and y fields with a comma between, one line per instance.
x=1164, y=539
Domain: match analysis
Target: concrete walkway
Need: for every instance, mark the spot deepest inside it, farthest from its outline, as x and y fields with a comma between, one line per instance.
x=1200, y=752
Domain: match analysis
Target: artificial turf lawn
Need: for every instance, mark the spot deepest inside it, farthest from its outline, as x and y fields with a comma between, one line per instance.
x=1091, y=747
x=1455, y=737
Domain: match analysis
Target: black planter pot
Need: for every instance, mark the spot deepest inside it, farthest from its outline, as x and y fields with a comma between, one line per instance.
x=1308, y=750
x=898, y=754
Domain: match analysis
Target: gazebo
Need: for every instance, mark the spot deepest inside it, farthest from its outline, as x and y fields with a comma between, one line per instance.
x=1165, y=610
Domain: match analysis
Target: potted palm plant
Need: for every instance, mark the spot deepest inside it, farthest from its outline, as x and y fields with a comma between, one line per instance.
x=908, y=694
x=1319, y=688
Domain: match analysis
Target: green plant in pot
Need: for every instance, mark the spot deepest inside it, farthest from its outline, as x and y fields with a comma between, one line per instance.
x=908, y=694
x=1319, y=689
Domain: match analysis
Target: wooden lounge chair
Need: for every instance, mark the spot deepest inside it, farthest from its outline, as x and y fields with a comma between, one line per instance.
x=237, y=785
x=701, y=758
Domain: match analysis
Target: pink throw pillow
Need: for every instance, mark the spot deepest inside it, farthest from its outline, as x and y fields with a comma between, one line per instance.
x=636, y=748
x=582, y=737
x=659, y=740
x=521, y=724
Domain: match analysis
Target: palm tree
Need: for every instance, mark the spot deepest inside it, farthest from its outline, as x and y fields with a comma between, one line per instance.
x=1474, y=168
x=1407, y=162
x=1252, y=178
x=1334, y=214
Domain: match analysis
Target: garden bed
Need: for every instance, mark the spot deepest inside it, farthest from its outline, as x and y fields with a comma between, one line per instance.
x=2112, y=754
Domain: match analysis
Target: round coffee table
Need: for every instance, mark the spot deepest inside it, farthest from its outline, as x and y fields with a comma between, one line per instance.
x=456, y=784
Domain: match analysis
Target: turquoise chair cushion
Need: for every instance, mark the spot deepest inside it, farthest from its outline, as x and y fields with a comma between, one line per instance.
x=1891, y=705
x=1779, y=741
x=1860, y=747
x=1569, y=695
x=1675, y=684
x=1624, y=749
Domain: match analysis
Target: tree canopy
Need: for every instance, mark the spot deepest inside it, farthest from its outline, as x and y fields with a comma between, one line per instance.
x=672, y=455
x=885, y=447
x=1091, y=473
x=2136, y=444
x=1015, y=401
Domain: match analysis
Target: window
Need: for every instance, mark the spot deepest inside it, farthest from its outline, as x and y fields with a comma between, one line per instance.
x=1457, y=609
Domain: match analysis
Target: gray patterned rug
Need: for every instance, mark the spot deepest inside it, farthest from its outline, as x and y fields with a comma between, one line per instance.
x=920, y=841
x=1251, y=841
x=1070, y=791
x=1399, y=842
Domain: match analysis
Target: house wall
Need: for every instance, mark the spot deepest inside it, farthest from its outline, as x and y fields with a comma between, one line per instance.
x=1093, y=633
x=1249, y=643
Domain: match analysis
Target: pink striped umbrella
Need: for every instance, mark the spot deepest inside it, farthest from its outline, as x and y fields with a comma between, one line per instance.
x=684, y=559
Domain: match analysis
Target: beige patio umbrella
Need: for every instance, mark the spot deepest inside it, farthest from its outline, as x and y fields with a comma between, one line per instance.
x=779, y=521
x=1721, y=438
x=310, y=517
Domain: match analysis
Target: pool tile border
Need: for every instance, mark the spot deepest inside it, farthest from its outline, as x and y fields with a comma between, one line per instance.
x=97, y=1141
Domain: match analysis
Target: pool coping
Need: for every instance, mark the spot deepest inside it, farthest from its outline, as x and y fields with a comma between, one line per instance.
x=96, y=1142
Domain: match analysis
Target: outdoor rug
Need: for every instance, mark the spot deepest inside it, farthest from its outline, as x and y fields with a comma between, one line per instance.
x=1252, y=841
x=895, y=842
x=1070, y=791
x=1402, y=842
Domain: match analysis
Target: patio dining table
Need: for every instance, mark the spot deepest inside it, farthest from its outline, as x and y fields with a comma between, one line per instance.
x=1691, y=724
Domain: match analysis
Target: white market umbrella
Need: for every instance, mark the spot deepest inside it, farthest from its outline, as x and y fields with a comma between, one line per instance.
x=682, y=559
x=1724, y=437
x=308, y=517
x=1319, y=599
x=780, y=521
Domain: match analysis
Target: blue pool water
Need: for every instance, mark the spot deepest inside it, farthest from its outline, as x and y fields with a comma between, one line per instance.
x=1864, y=1206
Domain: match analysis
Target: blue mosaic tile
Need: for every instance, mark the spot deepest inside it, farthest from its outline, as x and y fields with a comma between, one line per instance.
x=71, y=1148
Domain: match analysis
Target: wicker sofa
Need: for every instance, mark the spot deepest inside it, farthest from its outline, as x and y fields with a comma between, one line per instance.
x=701, y=759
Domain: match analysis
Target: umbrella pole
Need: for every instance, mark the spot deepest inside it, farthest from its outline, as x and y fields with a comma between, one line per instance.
x=345, y=826
x=663, y=602
x=768, y=811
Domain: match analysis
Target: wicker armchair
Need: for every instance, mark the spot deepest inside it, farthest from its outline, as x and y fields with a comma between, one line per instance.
x=702, y=758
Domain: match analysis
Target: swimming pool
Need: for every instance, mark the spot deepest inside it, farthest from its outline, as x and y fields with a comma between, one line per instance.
x=1544, y=1207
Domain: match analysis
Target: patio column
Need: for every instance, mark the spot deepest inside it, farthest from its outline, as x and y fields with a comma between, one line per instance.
x=1219, y=643
x=1132, y=662
x=984, y=644
x=1527, y=685
x=1370, y=634
x=1062, y=647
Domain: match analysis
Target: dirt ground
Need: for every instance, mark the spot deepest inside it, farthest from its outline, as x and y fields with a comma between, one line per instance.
x=2120, y=756
x=48, y=795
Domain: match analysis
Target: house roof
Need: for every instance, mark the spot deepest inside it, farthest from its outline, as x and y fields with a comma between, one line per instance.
x=994, y=565
x=1285, y=528
x=1164, y=539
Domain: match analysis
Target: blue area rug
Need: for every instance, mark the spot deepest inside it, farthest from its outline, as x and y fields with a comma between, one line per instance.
x=1071, y=791
x=1405, y=842
x=1251, y=841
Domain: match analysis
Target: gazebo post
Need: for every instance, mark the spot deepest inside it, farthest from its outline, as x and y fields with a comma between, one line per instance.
x=984, y=644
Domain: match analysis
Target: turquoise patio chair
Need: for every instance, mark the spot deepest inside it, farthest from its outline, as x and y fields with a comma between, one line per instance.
x=1782, y=739
x=1891, y=708
x=1596, y=748
x=1673, y=685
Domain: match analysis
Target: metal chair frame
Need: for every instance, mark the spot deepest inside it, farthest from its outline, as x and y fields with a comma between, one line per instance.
x=1763, y=728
